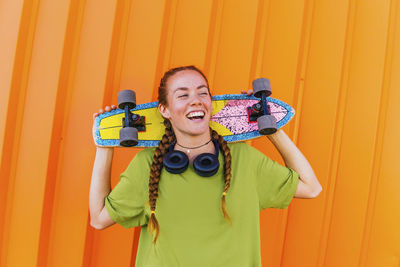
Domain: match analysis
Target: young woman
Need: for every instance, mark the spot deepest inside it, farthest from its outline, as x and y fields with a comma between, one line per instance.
x=197, y=217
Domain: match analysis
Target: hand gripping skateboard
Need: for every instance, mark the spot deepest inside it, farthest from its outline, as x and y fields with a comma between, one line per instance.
x=237, y=117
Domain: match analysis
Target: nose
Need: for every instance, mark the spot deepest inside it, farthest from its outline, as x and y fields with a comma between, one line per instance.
x=195, y=100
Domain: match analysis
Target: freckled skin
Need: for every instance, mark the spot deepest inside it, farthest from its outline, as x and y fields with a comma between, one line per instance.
x=186, y=92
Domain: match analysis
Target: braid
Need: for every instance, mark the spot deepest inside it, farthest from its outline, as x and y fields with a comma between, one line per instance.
x=162, y=149
x=155, y=173
x=227, y=170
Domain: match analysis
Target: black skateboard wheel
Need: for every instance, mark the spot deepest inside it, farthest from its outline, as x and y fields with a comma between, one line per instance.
x=126, y=98
x=266, y=124
x=261, y=85
x=128, y=136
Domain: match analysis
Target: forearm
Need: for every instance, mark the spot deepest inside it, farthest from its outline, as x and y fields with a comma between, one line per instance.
x=100, y=185
x=295, y=160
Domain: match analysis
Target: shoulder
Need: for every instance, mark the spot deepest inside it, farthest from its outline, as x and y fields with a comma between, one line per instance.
x=243, y=147
x=143, y=158
x=238, y=146
x=139, y=167
x=247, y=154
x=146, y=153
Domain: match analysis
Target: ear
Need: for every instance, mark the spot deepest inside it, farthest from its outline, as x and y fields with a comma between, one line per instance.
x=164, y=111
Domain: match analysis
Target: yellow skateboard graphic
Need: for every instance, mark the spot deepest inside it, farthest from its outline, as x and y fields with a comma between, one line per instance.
x=231, y=118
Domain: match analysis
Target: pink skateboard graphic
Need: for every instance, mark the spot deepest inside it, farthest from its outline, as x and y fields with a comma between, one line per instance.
x=236, y=117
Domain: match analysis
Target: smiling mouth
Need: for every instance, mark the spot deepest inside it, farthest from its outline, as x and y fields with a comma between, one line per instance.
x=197, y=115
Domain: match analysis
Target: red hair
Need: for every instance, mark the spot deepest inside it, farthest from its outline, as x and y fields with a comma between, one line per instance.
x=162, y=149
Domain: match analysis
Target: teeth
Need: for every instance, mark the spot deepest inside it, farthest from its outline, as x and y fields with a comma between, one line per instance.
x=195, y=114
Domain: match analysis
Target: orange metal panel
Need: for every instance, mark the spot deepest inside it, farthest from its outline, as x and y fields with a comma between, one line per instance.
x=27, y=182
x=10, y=18
x=381, y=234
x=359, y=132
x=68, y=61
x=234, y=54
x=320, y=77
x=190, y=33
x=115, y=241
x=336, y=62
x=70, y=213
x=277, y=58
x=141, y=49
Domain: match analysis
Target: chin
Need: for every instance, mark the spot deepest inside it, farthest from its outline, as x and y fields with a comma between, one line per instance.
x=196, y=132
x=193, y=129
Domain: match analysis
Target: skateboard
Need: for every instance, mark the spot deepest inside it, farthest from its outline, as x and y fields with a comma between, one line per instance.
x=237, y=117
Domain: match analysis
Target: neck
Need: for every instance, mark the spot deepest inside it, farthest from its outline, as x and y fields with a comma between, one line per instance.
x=194, y=145
x=193, y=141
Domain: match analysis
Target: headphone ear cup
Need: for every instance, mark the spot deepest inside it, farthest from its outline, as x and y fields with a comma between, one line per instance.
x=206, y=164
x=175, y=162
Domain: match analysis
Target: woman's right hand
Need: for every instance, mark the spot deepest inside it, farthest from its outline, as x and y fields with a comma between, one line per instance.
x=101, y=111
x=106, y=109
x=100, y=183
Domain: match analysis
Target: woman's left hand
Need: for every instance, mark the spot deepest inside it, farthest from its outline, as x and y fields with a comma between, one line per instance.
x=249, y=92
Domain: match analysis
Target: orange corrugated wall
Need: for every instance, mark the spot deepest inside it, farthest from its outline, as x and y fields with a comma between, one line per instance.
x=336, y=62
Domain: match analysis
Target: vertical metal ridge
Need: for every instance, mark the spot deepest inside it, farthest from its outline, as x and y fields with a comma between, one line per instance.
x=213, y=40
x=88, y=249
x=165, y=48
x=338, y=129
x=260, y=34
x=15, y=113
x=377, y=156
x=117, y=49
x=67, y=71
x=117, y=52
x=259, y=39
x=304, y=50
x=114, y=69
x=135, y=245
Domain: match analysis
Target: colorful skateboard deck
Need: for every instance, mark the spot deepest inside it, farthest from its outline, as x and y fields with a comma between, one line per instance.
x=229, y=118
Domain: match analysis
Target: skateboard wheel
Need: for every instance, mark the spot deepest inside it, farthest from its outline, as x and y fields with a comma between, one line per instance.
x=128, y=136
x=126, y=98
x=266, y=124
x=261, y=85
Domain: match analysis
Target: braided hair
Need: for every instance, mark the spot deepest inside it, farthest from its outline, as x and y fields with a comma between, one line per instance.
x=162, y=149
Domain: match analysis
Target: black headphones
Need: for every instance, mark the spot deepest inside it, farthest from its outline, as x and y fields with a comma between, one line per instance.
x=205, y=164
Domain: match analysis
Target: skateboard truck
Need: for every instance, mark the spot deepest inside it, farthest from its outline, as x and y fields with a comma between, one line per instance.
x=128, y=135
x=134, y=120
x=256, y=111
x=260, y=111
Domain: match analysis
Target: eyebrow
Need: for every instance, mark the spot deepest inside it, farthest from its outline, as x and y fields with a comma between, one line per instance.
x=185, y=88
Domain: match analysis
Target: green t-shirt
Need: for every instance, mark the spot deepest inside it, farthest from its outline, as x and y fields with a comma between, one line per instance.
x=193, y=231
